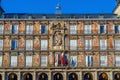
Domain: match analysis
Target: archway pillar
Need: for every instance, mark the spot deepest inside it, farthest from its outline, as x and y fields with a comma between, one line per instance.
x=80, y=75
x=3, y=76
x=18, y=74
x=64, y=76
x=49, y=76
x=34, y=75
x=111, y=75
x=96, y=75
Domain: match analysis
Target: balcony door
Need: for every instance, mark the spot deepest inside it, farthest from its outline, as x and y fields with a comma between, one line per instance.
x=58, y=76
x=103, y=76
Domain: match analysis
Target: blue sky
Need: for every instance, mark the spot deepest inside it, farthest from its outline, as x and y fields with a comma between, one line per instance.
x=68, y=6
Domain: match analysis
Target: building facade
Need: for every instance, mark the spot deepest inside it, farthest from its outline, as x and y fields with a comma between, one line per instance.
x=60, y=46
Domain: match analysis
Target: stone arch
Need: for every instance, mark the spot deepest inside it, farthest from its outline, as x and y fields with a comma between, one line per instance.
x=88, y=76
x=43, y=76
x=103, y=76
x=73, y=76
x=28, y=76
x=58, y=76
x=12, y=76
x=117, y=76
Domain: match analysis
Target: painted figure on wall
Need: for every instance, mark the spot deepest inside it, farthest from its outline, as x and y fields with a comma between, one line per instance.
x=7, y=28
x=36, y=28
x=57, y=39
x=6, y=43
x=21, y=27
x=36, y=43
x=21, y=43
x=6, y=59
x=21, y=59
x=36, y=60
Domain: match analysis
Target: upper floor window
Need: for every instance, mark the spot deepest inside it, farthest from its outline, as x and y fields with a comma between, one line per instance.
x=88, y=60
x=29, y=44
x=13, y=61
x=43, y=61
x=44, y=45
x=117, y=29
x=1, y=28
x=117, y=60
x=73, y=61
x=28, y=60
x=102, y=29
x=73, y=29
x=87, y=29
x=88, y=44
x=14, y=29
x=43, y=29
x=117, y=44
x=73, y=44
x=1, y=60
x=14, y=44
x=103, y=44
x=103, y=60
x=29, y=29
x=1, y=44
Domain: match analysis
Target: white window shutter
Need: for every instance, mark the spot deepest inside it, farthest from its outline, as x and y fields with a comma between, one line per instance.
x=1, y=44
x=98, y=28
x=1, y=28
x=13, y=61
x=105, y=29
x=73, y=44
x=1, y=58
x=28, y=61
x=43, y=61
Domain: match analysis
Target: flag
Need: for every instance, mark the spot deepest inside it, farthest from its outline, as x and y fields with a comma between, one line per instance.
x=73, y=60
x=63, y=58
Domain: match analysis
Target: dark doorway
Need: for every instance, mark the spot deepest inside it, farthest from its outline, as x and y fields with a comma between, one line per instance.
x=58, y=76
x=28, y=76
x=117, y=76
x=43, y=76
x=73, y=76
x=88, y=76
x=12, y=76
x=0, y=77
x=103, y=76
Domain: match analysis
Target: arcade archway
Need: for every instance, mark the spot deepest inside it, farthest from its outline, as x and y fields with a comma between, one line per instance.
x=103, y=76
x=58, y=76
x=88, y=76
x=28, y=76
x=73, y=76
x=117, y=76
x=12, y=76
x=43, y=76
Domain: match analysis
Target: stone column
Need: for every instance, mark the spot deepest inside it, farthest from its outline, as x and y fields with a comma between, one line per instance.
x=3, y=76
x=34, y=75
x=49, y=76
x=80, y=75
x=64, y=76
x=95, y=75
x=111, y=76
x=18, y=74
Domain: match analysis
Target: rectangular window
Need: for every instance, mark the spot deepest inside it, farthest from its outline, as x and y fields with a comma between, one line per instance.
x=88, y=60
x=102, y=29
x=14, y=29
x=29, y=44
x=73, y=29
x=44, y=44
x=1, y=28
x=43, y=61
x=1, y=58
x=103, y=60
x=88, y=44
x=28, y=61
x=73, y=61
x=116, y=29
x=43, y=29
x=103, y=44
x=14, y=44
x=73, y=44
x=29, y=29
x=13, y=61
x=87, y=29
x=117, y=44
x=117, y=60
x=1, y=44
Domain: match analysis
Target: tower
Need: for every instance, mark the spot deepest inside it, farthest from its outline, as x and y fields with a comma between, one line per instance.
x=117, y=8
x=58, y=8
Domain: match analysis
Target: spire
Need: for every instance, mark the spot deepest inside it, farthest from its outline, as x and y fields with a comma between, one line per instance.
x=58, y=8
x=117, y=2
x=1, y=9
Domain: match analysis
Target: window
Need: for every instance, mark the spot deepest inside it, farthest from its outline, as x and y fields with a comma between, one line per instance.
x=13, y=61
x=29, y=44
x=28, y=61
x=87, y=29
x=117, y=44
x=88, y=44
x=73, y=44
x=1, y=28
x=73, y=29
x=117, y=29
x=44, y=45
x=29, y=29
x=14, y=44
x=102, y=28
x=117, y=60
x=88, y=60
x=73, y=61
x=1, y=58
x=43, y=29
x=43, y=61
x=1, y=44
x=103, y=60
x=14, y=29
x=103, y=44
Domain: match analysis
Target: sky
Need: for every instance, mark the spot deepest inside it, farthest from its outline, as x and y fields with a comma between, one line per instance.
x=68, y=6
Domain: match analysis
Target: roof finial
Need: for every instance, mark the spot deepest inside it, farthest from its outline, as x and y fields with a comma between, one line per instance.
x=58, y=8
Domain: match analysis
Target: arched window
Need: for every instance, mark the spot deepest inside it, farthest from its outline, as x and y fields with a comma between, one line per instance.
x=73, y=76
x=58, y=76
x=103, y=76
x=28, y=76
x=43, y=76
x=117, y=76
x=12, y=76
x=88, y=76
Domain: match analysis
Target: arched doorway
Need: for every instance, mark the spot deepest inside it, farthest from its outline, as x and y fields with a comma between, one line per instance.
x=0, y=77
x=88, y=76
x=117, y=76
x=12, y=76
x=43, y=76
x=103, y=76
x=58, y=76
x=73, y=76
x=28, y=76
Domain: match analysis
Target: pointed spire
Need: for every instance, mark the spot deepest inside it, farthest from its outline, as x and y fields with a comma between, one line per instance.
x=58, y=8
x=1, y=9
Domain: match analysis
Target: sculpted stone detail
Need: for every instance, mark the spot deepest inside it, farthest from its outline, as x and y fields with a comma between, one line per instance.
x=36, y=43
x=58, y=38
